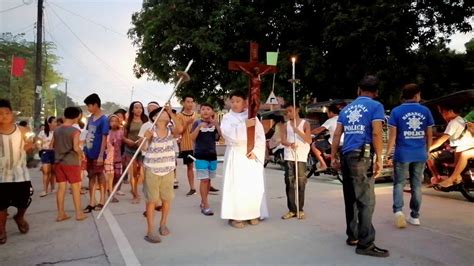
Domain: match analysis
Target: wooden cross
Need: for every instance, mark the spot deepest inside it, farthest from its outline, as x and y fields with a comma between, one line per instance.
x=254, y=70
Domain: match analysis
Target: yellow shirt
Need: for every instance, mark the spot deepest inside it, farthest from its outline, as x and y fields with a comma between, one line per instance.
x=187, y=121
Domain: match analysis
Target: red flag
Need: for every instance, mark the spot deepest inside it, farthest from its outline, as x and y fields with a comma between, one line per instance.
x=18, y=65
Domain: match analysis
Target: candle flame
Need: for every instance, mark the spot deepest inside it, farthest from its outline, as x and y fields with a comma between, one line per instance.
x=293, y=59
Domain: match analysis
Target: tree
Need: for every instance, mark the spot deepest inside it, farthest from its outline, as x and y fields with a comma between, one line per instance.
x=20, y=90
x=110, y=107
x=336, y=42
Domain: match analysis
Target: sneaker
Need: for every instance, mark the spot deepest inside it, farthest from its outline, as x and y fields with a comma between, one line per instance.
x=213, y=189
x=400, y=220
x=413, y=221
x=191, y=192
x=373, y=251
x=43, y=194
x=120, y=193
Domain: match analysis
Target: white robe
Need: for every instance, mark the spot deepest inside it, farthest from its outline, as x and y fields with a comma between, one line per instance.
x=243, y=197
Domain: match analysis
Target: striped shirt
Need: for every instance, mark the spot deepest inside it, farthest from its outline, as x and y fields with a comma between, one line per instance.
x=13, y=158
x=187, y=121
x=160, y=156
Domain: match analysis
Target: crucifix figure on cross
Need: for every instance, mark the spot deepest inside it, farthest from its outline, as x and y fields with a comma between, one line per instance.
x=255, y=71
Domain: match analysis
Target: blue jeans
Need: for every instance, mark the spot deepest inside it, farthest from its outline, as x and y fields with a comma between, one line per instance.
x=414, y=172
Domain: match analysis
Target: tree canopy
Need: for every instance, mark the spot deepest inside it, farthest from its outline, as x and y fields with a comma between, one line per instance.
x=336, y=43
x=20, y=91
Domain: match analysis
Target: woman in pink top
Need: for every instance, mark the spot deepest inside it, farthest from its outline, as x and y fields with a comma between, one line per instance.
x=113, y=161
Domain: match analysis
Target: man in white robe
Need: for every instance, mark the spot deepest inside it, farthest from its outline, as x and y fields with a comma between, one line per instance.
x=244, y=189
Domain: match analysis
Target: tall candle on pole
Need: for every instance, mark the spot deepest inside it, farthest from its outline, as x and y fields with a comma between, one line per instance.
x=293, y=81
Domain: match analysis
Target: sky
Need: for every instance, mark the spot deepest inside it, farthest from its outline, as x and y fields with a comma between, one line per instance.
x=96, y=55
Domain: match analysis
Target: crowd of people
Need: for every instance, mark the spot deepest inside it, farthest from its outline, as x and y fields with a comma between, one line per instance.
x=149, y=142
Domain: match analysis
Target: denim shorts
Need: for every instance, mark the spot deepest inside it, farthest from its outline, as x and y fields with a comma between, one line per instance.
x=205, y=169
x=47, y=156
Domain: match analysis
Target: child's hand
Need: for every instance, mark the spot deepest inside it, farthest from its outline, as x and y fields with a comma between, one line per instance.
x=251, y=156
x=250, y=122
x=168, y=108
x=148, y=134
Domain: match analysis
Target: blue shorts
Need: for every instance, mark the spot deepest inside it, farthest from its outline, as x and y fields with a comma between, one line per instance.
x=47, y=156
x=205, y=169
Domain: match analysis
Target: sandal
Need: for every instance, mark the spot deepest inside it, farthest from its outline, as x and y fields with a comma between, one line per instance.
x=207, y=211
x=301, y=216
x=288, y=215
x=98, y=207
x=115, y=200
x=164, y=231
x=154, y=239
x=23, y=226
x=89, y=209
x=236, y=224
x=254, y=221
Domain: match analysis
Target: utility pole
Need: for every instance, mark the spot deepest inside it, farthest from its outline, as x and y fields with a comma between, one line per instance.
x=131, y=97
x=38, y=80
x=65, y=96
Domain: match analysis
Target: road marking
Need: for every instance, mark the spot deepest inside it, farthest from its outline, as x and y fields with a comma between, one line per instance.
x=124, y=246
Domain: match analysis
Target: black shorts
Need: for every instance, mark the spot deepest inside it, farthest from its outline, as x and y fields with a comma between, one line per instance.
x=185, y=157
x=322, y=145
x=15, y=194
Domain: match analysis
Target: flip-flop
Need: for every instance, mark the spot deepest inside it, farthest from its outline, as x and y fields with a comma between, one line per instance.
x=207, y=211
x=89, y=209
x=63, y=218
x=135, y=201
x=23, y=226
x=153, y=239
x=82, y=218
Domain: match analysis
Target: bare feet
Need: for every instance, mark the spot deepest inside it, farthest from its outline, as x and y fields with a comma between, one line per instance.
x=81, y=217
x=62, y=218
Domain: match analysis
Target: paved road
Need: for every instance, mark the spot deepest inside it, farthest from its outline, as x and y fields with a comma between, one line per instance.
x=446, y=236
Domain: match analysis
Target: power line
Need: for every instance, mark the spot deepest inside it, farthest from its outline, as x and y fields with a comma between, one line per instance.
x=12, y=8
x=125, y=82
x=29, y=27
x=90, y=20
x=88, y=48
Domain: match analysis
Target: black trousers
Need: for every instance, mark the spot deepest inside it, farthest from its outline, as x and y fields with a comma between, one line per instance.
x=359, y=198
x=290, y=182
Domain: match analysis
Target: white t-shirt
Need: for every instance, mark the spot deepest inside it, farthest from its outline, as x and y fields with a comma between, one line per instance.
x=454, y=130
x=45, y=140
x=144, y=128
x=331, y=125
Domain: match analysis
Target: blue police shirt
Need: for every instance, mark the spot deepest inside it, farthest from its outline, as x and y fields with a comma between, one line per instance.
x=95, y=130
x=411, y=120
x=356, y=119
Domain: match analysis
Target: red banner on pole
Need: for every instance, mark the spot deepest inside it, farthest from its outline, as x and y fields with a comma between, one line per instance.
x=18, y=66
